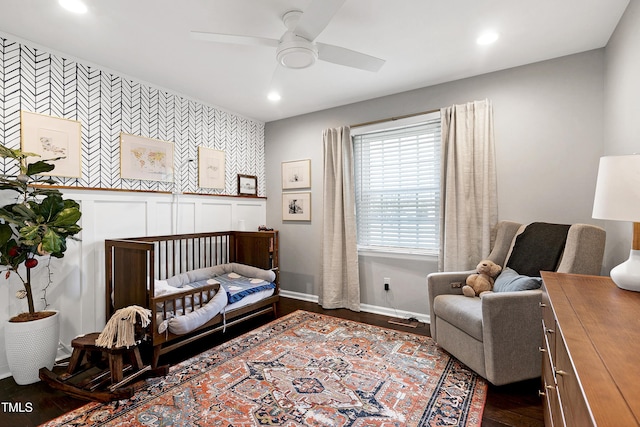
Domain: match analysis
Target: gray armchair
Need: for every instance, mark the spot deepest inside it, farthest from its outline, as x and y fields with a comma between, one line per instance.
x=499, y=335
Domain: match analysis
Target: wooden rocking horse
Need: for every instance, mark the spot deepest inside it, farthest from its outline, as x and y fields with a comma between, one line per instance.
x=112, y=359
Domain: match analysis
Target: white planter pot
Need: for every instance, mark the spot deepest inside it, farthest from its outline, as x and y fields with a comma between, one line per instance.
x=31, y=346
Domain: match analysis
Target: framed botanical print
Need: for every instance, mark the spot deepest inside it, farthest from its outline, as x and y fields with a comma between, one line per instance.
x=54, y=139
x=296, y=174
x=211, y=168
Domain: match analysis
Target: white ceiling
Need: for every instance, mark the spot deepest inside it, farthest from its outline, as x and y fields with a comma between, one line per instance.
x=424, y=42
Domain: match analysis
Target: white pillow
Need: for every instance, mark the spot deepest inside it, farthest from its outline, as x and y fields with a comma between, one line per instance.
x=162, y=287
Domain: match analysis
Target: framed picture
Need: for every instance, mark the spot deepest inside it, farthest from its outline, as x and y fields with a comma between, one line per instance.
x=145, y=158
x=52, y=137
x=211, y=164
x=296, y=174
x=247, y=185
x=296, y=206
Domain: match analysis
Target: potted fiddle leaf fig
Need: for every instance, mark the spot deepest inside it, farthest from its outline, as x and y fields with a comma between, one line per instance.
x=34, y=228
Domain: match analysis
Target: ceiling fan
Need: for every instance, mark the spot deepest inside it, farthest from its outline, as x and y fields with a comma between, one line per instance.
x=296, y=48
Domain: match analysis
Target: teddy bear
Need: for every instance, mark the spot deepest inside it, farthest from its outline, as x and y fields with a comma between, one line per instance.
x=483, y=280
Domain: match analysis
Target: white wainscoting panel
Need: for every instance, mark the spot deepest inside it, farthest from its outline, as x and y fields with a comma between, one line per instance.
x=248, y=216
x=114, y=219
x=216, y=216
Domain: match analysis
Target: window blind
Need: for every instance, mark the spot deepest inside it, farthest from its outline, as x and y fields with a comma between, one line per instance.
x=397, y=182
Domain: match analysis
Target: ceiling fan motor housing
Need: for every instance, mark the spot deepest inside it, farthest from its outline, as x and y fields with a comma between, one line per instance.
x=296, y=52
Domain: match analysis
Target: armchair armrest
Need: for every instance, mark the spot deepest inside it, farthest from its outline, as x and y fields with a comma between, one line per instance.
x=440, y=284
x=512, y=334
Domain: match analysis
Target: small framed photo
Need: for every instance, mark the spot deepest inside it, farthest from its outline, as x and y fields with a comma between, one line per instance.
x=296, y=206
x=247, y=185
x=145, y=158
x=296, y=174
x=211, y=168
x=50, y=138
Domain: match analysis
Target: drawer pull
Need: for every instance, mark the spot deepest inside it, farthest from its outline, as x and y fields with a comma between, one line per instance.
x=541, y=393
x=561, y=372
x=542, y=350
x=550, y=331
x=549, y=387
x=542, y=305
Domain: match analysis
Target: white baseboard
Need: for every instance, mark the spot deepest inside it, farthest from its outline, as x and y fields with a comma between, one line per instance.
x=299, y=296
x=384, y=311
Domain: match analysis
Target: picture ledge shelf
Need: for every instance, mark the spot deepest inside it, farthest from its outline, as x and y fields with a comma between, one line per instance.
x=125, y=190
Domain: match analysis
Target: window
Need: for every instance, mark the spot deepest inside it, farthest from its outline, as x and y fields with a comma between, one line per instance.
x=397, y=180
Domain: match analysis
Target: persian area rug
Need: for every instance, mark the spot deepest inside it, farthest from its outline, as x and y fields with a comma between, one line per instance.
x=304, y=369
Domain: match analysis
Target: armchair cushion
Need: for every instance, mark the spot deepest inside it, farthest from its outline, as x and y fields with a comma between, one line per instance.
x=510, y=281
x=462, y=312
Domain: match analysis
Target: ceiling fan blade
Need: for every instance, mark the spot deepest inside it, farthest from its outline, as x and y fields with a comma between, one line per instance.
x=234, y=39
x=316, y=17
x=277, y=82
x=349, y=58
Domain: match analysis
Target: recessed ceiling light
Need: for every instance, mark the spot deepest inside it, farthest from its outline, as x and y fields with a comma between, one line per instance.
x=274, y=96
x=487, y=37
x=75, y=6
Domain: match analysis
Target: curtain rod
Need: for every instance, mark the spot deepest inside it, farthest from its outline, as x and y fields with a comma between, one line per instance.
x=391, y=119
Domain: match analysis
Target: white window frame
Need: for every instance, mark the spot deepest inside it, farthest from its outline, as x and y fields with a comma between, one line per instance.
x=399, y=247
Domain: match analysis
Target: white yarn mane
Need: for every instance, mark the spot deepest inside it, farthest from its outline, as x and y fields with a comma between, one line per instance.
x=120, y=329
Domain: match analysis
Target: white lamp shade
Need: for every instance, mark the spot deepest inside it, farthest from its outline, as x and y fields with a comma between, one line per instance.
x=618, y=189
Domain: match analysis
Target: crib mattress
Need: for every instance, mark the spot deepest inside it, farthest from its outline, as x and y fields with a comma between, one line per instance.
x=241, y=286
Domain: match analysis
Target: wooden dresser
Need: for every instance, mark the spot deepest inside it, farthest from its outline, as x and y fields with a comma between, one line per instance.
x=591, y=346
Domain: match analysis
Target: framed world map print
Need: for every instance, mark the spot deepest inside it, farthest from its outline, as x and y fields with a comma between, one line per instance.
x=145, y=158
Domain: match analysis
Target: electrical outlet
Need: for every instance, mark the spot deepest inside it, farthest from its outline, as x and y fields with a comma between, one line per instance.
x=387, y=283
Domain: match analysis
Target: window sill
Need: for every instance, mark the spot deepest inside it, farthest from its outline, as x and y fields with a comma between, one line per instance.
x=397, y=254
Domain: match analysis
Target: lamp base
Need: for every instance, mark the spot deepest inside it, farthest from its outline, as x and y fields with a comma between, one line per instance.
x=627, y=275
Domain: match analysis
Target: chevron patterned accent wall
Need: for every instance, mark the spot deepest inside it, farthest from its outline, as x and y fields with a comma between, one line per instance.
x=106, y=104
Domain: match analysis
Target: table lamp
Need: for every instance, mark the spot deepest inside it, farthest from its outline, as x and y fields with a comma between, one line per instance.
x=618, y=198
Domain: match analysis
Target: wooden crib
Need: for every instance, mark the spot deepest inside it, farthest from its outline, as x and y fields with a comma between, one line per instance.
x=133, y=264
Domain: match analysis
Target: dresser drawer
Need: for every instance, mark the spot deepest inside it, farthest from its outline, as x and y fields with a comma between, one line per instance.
x=551, y=400
x=549, y=326
x=552, y=411
x=572, y=401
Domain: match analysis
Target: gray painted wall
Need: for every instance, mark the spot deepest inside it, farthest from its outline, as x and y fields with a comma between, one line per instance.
x=549, y=131
x=622, y=115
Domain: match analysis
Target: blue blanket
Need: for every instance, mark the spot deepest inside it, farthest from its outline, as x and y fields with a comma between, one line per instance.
x=238, y=287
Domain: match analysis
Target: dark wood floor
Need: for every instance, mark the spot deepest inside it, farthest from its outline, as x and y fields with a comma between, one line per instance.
x=24, y=406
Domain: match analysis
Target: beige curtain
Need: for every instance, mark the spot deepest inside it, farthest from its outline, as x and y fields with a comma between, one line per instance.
x=340, y=287
x=469, y=203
